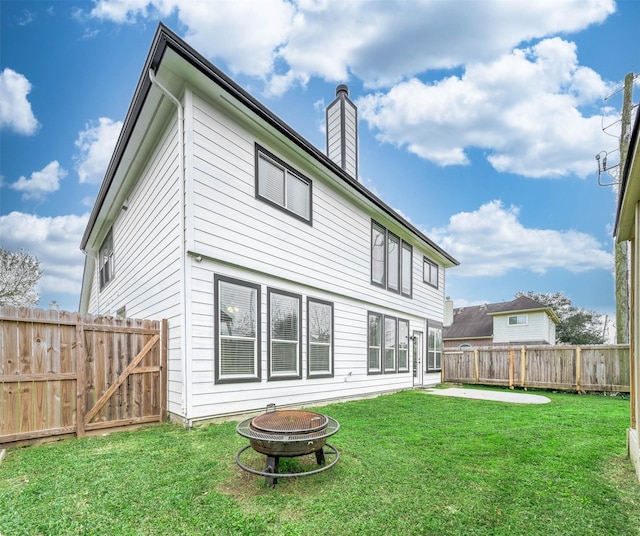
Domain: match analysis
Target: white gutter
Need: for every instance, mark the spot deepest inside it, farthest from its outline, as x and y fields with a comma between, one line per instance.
x=183, y=279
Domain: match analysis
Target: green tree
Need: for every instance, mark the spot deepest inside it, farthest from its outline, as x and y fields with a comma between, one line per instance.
x=19, y=274
x=577, y=325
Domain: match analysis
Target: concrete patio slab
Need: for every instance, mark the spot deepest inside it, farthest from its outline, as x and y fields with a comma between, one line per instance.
x=498, y=396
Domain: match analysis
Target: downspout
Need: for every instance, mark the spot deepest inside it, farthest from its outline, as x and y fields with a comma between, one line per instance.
x=183, y=279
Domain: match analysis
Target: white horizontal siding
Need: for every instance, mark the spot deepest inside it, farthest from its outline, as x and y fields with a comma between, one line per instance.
x=232, y=225
x=350, y=351
x=534, y=330
x=147, y=255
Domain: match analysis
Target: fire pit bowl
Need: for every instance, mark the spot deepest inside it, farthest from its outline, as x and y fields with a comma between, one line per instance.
x=287, y=433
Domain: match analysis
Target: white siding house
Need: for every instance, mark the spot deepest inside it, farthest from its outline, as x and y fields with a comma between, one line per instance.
x=283, y=279
x=520, y=321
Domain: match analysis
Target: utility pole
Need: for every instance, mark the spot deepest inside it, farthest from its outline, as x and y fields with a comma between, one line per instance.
x=622, y=248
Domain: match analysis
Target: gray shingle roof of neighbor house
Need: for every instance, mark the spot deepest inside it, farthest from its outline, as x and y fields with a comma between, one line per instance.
x=477, y=321
x=165, y=39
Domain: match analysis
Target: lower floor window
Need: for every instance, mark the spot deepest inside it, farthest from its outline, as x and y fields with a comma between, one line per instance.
x=237, y=307
x=285, y=353
x=387, y=344
x=320, y=337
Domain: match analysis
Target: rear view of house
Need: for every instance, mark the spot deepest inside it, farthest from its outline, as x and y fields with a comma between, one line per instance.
x=283, y=278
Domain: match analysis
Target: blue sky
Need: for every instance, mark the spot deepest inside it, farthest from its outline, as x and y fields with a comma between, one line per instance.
x=479, y=120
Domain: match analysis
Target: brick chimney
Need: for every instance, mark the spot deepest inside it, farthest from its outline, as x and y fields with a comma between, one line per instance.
x=342, y=132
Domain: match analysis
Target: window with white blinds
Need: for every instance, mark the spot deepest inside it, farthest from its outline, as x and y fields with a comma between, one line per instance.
x=280, y=185
x=403, y=345
x=237, y=330
x=320, y=338
x=285, y=356
x=374, y=343
x=389, y=344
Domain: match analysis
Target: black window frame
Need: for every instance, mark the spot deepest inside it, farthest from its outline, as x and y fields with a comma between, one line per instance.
x=330, y=374
x=269, y=156
x=270, y=375
x=431, y=265
x=106, y=267
x=395, y=345
x=380, y=317
x=398, y=342
x=402, y=244
x=257, y=377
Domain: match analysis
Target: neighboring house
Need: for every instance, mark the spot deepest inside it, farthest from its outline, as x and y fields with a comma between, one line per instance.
x=283, y=278
x=520, y=321
x=627, y=227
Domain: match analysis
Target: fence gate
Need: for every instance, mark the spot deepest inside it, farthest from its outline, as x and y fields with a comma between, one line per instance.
x=64, y=373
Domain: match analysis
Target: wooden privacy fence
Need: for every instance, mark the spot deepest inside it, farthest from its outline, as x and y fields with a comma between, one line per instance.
x=64, y=373
x=579, y=368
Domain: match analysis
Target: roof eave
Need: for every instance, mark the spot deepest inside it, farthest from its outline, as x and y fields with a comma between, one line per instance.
x=165, y=38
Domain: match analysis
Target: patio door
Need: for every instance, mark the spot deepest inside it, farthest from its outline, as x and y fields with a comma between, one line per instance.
x=434, y=350
x=418, y=358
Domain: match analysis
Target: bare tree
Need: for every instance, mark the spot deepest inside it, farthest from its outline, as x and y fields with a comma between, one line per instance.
x=19, y=273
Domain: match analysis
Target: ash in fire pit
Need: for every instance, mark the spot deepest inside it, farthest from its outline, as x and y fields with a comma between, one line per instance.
x=287, y=433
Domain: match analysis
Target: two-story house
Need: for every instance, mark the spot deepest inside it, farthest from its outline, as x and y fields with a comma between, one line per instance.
x=520, y=321
x=283, y=278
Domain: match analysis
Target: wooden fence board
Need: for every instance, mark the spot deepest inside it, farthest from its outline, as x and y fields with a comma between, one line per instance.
x=595, y=368
x=55, y=366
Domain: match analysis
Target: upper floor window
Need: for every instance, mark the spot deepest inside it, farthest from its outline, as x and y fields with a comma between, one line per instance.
x=106, y=260
x=280, y=185
x=430, y=274
x=391, y=260
x=319, y=338
x=518, y=320
x=285, y=352
x=237, y=329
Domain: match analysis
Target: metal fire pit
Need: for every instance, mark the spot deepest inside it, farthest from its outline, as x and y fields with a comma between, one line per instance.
x=287, y=433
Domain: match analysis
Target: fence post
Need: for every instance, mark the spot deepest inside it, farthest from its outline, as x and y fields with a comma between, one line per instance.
x=512, y=365
x=475, y=362
x=164, y=339
x=81, y=405
x=578, y=368
x=523, y=366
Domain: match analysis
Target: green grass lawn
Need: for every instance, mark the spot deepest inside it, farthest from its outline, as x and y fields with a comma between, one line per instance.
x=410, y=463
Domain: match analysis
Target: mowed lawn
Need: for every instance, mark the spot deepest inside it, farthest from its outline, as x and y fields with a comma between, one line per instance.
x=410, y=463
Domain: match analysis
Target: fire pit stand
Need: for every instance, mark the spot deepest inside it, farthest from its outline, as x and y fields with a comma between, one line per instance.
x=287, y=433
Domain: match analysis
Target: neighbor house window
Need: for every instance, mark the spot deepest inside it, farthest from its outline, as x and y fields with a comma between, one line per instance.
x=374, y=337
x=518, y=320
x=391, y=259
x=280, y=185
x=319, y=338
x=403, y=345
x=285, y=352
x=106, y=260
x=430, y=274
x=237, y=330
x=390, y=344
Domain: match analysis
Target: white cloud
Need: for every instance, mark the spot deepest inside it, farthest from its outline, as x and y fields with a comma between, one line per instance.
x=246, y=35
x=54, y=241
x=96, y=144
x=379, y=42
x=522, y=109
x=15, y=109
x=523, y=106
x=41, y=183
x=491, y=241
